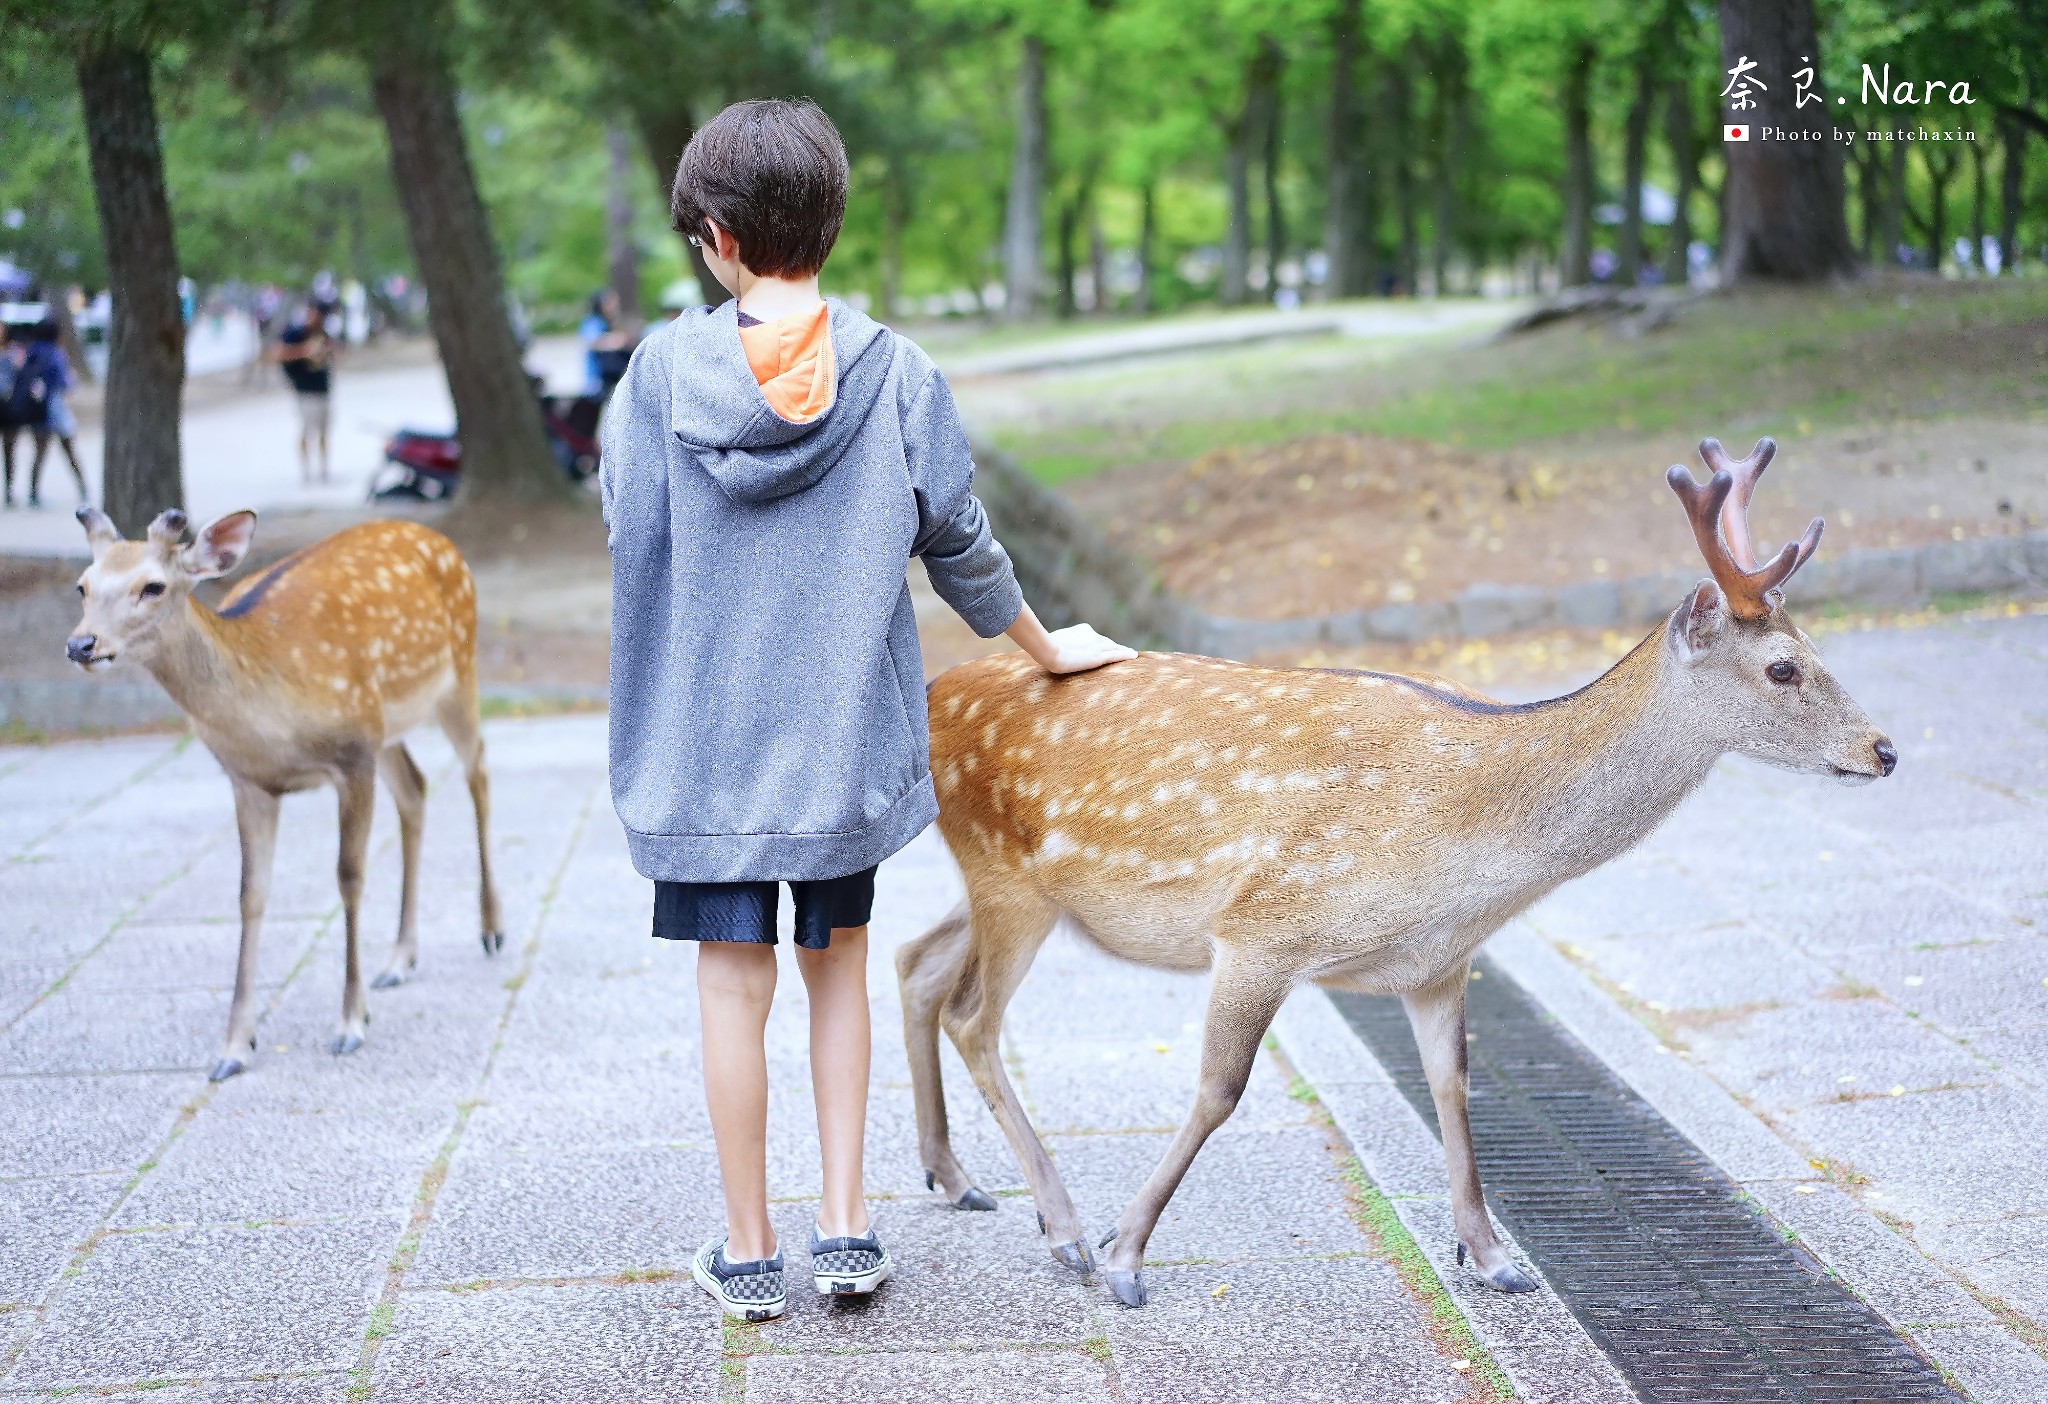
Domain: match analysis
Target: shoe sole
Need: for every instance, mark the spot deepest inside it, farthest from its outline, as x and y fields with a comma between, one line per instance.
x=745, y=1311
x=852, y=1284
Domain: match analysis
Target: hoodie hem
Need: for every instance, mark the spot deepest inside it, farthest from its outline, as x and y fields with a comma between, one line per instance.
x=784, y=857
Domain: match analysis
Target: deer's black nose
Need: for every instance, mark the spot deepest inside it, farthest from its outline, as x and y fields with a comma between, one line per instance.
x=78, y=648
x=1887, y=757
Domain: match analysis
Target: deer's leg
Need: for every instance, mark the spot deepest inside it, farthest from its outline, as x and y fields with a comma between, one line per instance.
x=458, y=716
x=409, y=790
x=358, y=787
x=1437, y=1014
x=927, y=969
x=1005, y=936
x=256, y=823
x=1244, y=995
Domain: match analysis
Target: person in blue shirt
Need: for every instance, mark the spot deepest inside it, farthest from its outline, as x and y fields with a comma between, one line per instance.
x=46, y=362
x=607, y=344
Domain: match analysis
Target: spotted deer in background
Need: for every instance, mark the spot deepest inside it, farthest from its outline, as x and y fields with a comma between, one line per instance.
x=1360, y=830
x=309, y=674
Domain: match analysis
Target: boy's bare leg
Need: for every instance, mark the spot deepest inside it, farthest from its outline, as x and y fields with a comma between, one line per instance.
x=735, y=986
x=837, y=981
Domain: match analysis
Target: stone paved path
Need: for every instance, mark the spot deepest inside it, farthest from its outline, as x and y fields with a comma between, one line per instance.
x=492, y=1200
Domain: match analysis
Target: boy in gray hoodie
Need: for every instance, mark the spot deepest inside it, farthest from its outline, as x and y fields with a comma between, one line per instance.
x=770, y=467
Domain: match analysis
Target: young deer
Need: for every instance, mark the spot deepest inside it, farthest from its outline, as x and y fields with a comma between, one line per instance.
x=308, y=675
x=1360, y=830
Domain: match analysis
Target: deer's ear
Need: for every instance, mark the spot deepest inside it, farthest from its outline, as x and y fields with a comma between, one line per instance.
x=100, y=531
x=1698, y=620
x=220, y=545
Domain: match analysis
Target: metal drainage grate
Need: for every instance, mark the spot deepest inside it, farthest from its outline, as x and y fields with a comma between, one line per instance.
x=1694, y=1296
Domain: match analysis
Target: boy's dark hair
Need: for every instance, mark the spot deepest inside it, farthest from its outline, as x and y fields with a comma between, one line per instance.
x=772, y=173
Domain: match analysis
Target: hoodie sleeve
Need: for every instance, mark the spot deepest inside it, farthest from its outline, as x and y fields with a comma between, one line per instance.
x=968, y=567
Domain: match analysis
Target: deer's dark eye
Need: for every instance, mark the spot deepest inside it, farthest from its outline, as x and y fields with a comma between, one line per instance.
x=1783, y=671
x=81, y=587
x=152, y=589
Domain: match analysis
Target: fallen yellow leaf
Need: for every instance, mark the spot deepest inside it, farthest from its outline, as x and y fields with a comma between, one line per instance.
x=1219, y=1289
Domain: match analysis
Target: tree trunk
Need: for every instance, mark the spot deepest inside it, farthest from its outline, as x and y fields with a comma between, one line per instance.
x=1068, y=222
x=1784, y=198
x=1978, y=196
x=622, y=253
x=1240, y=134
x=1935, y=226
x=1098, y=261
x=505, y=455
x=1685, y=161
x=1348, y=215
x=1868, y=196
x=146, y=339
x=890, y=262
x=1577, y=253
x=664, y=132
x=1397, y=94
x=1276, y=217
x=1022, y=228
x=1635, y=152
x=1448, y=122
x=1148, y=234
x=1892, y=231
x=2011, y=181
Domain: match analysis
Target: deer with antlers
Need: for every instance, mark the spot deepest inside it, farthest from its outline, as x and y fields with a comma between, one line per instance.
x=309, y=674
x=1360, y=830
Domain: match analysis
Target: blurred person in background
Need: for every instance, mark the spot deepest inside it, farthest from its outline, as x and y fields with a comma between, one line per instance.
x=307, y=354
x=44, y=362
x=13, y=355
x=607, y=343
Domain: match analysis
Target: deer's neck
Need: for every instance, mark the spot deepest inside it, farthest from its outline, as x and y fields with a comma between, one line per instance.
x=1589, y=775
x=195, y=662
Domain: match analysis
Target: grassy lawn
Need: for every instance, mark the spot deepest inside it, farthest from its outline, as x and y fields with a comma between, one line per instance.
x=1866, y=355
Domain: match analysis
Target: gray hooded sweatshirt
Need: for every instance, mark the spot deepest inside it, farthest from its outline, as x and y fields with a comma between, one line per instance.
x=767, y=694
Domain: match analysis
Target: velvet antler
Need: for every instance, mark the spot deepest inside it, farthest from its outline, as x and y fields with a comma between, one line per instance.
x=1719, y=512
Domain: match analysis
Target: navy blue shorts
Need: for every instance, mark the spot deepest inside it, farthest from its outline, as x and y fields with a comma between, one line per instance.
x=745, y=911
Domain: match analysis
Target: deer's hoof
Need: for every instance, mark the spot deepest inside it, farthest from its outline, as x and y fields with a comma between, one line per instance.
x=345, y=1043
x=976, y=1198
x=388, y=979
x=1508, y=1278
x=225, y=1069
x=494, y=941
x=1128, y=1286
x=1075, y=1255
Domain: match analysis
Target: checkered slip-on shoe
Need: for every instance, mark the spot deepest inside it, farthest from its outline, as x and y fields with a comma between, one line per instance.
x=848, y=1267
x=751, y=1291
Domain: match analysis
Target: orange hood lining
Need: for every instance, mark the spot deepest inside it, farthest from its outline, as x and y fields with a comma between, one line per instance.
x=792, y=361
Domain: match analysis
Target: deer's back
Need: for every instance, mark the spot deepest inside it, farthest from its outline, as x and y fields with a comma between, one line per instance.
x=365, y=628
x=1172, y=793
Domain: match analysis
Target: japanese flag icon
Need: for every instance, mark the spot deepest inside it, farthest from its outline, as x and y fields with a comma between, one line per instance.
x=1735, y=134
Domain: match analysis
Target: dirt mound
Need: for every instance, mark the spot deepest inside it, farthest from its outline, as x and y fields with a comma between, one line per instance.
x=1348, y=521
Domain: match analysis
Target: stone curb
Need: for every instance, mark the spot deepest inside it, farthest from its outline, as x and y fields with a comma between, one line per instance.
x=90, y=705
x=1072, y=571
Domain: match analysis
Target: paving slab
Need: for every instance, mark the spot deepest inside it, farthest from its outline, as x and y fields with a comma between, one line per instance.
x=210, y=1302
x=66, y=1125
x=994, y=1376
x=1246, y=1340
x=43, y=1222
x=543, y=1344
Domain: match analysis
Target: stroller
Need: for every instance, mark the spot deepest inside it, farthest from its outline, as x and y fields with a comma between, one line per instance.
x=427, y=466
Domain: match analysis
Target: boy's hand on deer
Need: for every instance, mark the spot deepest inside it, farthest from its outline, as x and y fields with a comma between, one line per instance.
x=1074, y=649
x=1078, y=648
